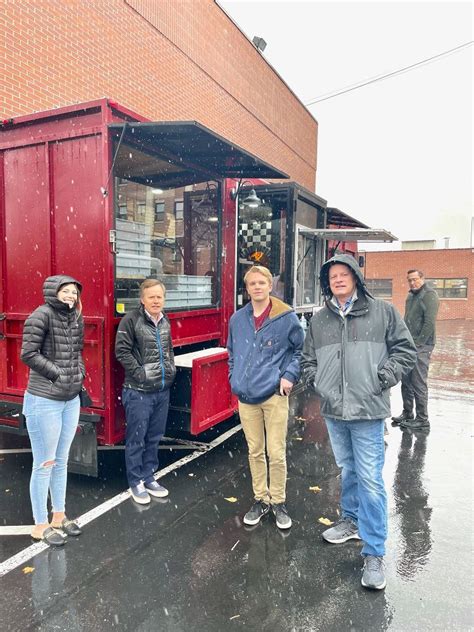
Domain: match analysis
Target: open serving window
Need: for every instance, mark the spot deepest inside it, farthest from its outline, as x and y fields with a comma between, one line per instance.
x=270, y=218
x=168, y=209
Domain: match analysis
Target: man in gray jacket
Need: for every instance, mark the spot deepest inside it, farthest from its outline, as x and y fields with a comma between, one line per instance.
x=356, y=349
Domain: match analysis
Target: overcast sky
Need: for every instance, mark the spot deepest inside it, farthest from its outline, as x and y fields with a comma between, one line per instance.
x=396, y=154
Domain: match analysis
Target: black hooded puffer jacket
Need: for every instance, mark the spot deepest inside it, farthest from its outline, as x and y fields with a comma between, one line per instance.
x=53, y=338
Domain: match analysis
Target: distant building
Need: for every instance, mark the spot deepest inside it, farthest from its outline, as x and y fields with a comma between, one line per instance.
x=450, y=271
x=421, y=244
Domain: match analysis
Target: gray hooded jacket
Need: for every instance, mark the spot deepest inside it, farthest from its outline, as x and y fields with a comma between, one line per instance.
x=352, y=361
x=53, y=338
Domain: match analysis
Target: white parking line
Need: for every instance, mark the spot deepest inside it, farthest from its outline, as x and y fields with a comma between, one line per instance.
x=23, y=529
x=27, y=554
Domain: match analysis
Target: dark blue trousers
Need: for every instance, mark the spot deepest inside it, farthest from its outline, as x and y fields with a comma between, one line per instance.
x=146, y=415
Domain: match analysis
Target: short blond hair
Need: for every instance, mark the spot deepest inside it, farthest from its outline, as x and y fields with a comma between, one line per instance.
x=151, y=283
x=259, y=270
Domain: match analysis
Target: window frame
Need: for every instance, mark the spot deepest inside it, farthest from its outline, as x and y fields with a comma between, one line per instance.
x=375, y=291
x=441, y=290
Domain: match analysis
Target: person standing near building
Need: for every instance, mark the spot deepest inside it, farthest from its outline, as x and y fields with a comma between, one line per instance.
x=264, y=344
x=421, y=309
x=355, y=350
x=143, y=346
x=53, y=338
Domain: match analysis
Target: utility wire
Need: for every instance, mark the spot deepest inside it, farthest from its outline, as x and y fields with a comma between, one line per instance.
x=355, y=86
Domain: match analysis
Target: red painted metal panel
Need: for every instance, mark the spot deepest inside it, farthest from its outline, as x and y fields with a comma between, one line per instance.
x=211, y=398
x=195, y=326
x=80, y=225
x=27, y=252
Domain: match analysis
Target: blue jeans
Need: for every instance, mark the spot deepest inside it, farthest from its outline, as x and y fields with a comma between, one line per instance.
x=146, y=415
x=51, y=426
x=359, y=449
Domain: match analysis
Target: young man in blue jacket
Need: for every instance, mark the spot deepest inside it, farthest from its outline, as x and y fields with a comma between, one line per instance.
x=265, y=343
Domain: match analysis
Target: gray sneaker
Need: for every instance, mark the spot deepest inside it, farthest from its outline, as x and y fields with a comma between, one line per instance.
x=139, y=494
x=156, y=490
x=374, y=573
x=342, y=531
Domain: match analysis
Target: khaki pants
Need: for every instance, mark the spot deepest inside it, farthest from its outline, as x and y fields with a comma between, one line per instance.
x=265, y=427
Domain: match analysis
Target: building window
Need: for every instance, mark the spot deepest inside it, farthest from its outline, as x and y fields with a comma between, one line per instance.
x=159, y=211
x=141, y=211
x=380, y=288
x=449, y=288
x=178, y=209
x=122, y=211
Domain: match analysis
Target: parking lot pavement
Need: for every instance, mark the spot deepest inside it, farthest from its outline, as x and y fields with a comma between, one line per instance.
x=188, y=563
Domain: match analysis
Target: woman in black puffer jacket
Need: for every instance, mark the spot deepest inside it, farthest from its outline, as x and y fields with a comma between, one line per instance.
x=52, y=347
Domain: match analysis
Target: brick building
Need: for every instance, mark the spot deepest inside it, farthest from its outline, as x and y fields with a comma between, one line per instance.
x=167, y=60
x=451, y=271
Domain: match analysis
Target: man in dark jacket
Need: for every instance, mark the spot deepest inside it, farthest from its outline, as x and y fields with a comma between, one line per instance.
x=356, y=349
x=265, y=341
x=143, y=346
x=421, y=310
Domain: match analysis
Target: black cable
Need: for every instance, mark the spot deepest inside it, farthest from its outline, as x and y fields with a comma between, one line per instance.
x=352, y=87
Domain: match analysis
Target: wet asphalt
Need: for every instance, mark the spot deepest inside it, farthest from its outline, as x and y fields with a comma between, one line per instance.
x=188, y=563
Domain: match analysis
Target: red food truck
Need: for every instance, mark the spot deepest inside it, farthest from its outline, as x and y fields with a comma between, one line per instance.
x=96, y=191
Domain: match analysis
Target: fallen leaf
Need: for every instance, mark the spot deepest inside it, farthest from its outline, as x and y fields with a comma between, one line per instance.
x=28, y=569
x=315, y=489
x=231, y=499
x=325, y=521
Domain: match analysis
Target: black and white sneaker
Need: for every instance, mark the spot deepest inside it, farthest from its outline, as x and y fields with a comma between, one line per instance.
x=256, y=512
x=283, y=520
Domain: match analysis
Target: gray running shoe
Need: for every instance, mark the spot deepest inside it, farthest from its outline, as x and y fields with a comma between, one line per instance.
x=256, y=512
x=344, y=530
x=374, y=573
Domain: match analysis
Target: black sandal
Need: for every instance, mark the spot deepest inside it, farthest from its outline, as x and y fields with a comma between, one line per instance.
x=51, y=537
x=69, y=527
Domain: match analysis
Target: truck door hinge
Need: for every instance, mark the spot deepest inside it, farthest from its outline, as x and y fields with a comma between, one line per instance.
x=113, y=241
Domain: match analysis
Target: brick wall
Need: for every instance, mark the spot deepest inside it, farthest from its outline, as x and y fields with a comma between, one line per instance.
x=166, y=59
x=436, y=264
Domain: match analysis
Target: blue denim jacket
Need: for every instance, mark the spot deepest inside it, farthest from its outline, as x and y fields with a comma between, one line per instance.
x=259, y=359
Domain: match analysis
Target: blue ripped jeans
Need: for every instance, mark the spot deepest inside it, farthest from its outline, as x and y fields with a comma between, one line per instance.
x=51, y=427
x=359, y=449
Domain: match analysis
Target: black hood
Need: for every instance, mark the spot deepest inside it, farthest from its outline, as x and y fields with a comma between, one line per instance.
x=51, y=287
x=349, y=261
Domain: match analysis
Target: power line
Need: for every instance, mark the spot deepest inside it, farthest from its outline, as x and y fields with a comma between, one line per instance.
x=355, y=86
